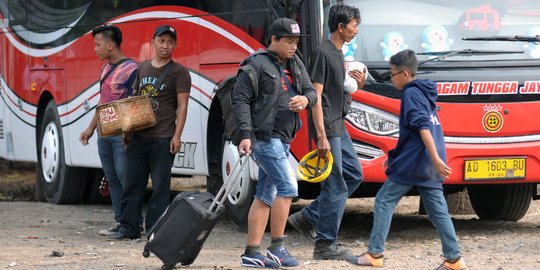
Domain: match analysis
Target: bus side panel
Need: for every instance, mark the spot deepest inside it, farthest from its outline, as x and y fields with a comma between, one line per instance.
x=191, y=159
x=3, y=123
x=3, y=128
x=17, y=128
x=81, y=73
x=19, y=122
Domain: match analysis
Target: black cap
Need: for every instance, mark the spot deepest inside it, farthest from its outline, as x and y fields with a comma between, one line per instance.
x=284, y=27
x=160, y=30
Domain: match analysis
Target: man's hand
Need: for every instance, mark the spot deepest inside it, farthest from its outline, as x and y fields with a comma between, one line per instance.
x=175, y=145
x=323, y=148
x=85, y=136
x=298, y=103
x=245, y=147
x=359, y=76
x=442, y=169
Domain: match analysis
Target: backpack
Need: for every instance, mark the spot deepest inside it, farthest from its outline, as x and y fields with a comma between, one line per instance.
x=230, y=131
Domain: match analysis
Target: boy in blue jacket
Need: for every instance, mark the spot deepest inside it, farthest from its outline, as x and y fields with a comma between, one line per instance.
x=419, y=159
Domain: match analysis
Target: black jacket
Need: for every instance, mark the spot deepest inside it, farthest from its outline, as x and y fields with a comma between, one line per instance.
x=255, y=109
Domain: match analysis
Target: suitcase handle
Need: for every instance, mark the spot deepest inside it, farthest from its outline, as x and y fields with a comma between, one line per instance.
x=221, y=196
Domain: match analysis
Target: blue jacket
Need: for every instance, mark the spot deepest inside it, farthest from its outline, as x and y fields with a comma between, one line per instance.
x=409, y=163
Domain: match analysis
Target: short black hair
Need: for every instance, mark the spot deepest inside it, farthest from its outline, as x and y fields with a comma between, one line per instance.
x=405, y=59
x=110, y=32
x=270, y=39
x=342, y=14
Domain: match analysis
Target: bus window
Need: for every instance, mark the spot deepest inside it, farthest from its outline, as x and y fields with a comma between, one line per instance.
x=388, y=27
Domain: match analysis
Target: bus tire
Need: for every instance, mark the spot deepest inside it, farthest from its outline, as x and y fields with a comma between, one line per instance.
x=238, y=203
x=501, y=202
x=60, y=183
x=240, y=198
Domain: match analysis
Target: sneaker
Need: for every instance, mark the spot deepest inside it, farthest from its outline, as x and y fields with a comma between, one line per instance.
x=300, y=224
x=282, y=257
x=326, y=250
x=110, y=230
x=120, y=236
x=257, y=260
x=365, y=260
x=457, y=265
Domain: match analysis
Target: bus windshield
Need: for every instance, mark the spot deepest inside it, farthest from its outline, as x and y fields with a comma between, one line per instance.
x=390, y=26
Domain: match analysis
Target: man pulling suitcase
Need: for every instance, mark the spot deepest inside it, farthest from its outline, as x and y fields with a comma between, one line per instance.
x=180, y=232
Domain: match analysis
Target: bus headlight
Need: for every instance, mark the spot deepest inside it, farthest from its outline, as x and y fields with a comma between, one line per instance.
x=373, y=120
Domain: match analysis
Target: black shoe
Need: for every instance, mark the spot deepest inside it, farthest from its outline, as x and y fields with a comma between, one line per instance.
x=120, y=236
x=326, y=250
x=110, y=231
x=300, y=224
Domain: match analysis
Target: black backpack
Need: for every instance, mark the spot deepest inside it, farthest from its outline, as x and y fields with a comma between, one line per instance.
x=224, y=95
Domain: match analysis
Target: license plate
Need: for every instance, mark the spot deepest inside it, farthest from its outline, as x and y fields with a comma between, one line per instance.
x=495, y=168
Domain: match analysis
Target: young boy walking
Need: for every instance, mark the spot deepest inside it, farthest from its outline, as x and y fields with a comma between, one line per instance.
x=419, y=159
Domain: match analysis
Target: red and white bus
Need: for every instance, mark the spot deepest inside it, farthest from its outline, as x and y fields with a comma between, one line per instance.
x=489, y=89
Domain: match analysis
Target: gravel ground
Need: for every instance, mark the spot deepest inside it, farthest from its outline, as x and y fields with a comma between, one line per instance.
x=45, y=236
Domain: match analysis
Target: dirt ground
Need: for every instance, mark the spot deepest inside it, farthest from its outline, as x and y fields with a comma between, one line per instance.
x=44, y=236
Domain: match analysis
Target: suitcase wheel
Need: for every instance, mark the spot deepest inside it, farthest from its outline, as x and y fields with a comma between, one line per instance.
x=146, y=252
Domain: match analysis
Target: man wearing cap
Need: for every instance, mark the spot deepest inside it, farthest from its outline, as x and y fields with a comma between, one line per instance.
x=320, y=220
x=151, y=151
x=267, y=121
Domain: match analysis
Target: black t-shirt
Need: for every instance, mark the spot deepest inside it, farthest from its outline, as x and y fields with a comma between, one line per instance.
x=328, y=69
x=285, y=124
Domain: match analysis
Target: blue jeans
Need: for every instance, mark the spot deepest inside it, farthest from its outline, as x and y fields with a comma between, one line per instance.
x=146, y=157
x=114, y=162
x=326, y=212
x=437, y=211
x=276, y=177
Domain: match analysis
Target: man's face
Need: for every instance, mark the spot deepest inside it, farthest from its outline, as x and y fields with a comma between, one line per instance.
x=285, y=47
x=102, y=46
x=164, y=45
x=398, y=77
x=348, y=31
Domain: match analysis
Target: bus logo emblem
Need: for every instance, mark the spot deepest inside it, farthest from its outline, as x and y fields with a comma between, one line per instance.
x=493, y=120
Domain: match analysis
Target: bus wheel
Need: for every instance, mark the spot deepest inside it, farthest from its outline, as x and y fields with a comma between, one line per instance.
x=60, y=183
x=241, y=196
x=501, y=202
